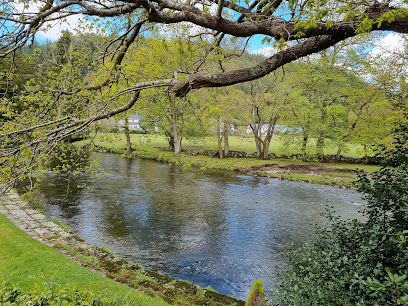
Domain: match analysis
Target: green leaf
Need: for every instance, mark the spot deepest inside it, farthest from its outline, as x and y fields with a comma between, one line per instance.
x=329, y=24
x=299, y=34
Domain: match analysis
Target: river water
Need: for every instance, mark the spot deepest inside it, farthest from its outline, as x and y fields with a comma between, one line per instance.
x=213, y=228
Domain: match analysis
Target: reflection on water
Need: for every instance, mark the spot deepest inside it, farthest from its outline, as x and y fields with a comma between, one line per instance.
x=214, y=228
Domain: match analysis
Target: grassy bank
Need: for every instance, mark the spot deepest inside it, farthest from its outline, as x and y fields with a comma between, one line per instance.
x=236, y=143
x=339, y=174
x=31, y=265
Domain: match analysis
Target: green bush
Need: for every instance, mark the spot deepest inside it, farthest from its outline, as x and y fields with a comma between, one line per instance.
x=333, y=269
x=358, y=262
x=52, y=294
x=257, y=295
x=137, y=132
x=35, y=198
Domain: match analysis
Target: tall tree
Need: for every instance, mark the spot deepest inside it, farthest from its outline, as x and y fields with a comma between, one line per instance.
x=297, y=28
x=264, y=114
x=325, y=102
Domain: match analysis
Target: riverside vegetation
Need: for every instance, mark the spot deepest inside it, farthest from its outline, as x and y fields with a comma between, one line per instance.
x=153, y=147
x=359, y=262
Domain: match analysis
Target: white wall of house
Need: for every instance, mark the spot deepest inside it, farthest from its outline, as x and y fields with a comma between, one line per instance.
x=133, y=122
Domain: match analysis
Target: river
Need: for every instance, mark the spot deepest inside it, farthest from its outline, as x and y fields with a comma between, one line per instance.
x=213, y=228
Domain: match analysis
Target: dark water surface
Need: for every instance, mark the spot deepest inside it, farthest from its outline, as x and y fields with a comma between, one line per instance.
x=212, y=228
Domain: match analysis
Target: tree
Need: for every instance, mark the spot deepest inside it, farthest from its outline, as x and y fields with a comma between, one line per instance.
x=264, y=110
x=166, y=56
x=221, y=108
x=257, y=295
x=298, y=29
x=328, y=103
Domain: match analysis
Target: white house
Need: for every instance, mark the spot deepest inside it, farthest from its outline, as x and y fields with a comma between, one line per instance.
x=133, y=122
x=278, y=129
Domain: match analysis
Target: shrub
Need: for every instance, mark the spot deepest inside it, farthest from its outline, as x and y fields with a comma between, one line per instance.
x=358, y=262
x=138, y=132
x=35, y=198
x=55, y=295
x=257, y=295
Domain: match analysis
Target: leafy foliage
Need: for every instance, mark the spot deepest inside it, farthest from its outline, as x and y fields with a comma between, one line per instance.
x=52, y=294
x=358, y=262
x=257, y=295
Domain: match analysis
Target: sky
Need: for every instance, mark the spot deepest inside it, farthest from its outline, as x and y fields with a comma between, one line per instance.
x=53, y=32
x=390, y=42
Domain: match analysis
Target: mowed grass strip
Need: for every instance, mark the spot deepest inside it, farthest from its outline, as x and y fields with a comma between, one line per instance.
x=149, y=150
x=236, y=143
x=27, y=263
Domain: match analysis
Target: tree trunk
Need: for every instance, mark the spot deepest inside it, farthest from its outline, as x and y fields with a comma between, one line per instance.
x=256, y=127
x=265, y=149
x=338, y=154
x=219, y=139
x=319, y=146
x=226, y=144
x=258, y=143
x=176, y=142
x=304, y=144
x=320, y=139
x=268, y=136
x=365, y=154
x=128, y=143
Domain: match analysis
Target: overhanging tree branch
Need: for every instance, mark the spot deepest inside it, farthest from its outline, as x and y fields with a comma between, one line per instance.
x=310, y=46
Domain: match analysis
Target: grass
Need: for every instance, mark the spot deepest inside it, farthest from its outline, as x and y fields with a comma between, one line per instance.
x=149, y=150
x=151, y=147
x=237, y=143
x=28, y=263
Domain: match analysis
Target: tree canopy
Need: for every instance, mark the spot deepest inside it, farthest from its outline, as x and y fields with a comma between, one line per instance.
x=299, y=28
x=91, y=78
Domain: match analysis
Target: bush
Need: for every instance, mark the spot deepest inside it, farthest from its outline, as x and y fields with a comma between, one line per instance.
x=358, y=262
x=35, y=198
x=55, y=295
x=333, y=269
x=257, y=295
x=138, y=132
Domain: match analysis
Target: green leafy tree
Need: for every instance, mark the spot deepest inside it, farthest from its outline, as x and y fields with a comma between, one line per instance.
x=305, y=29
x=329, y=104
x=264, y=111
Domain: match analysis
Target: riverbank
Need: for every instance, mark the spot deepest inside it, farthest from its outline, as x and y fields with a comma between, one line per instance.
x=35, y=263
x=332, y=174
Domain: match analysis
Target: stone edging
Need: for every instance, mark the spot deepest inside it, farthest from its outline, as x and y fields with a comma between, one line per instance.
x=66, y=242
x=30, y=220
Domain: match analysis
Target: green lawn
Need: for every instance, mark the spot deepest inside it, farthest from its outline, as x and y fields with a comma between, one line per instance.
x=237, y=143
x=148, y=146
x=144, y=146
x=28, y=263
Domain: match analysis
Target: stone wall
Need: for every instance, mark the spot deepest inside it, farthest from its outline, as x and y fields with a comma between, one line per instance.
x=327, y=158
